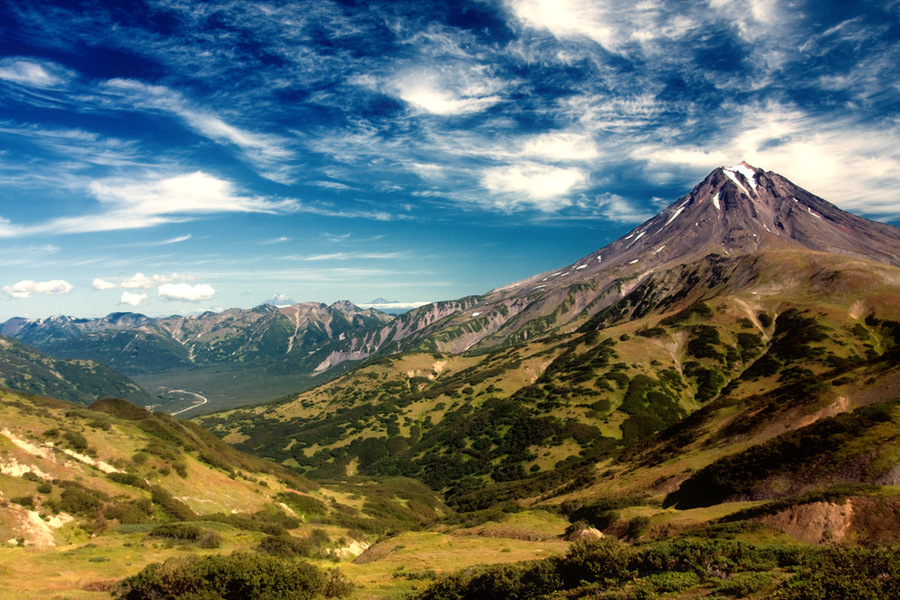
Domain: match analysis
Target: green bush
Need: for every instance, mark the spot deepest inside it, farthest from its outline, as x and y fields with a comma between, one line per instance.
x=845, y=574
x=239, y=576
x=183, y=532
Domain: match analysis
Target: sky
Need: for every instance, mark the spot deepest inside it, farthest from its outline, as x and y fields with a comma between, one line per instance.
x=176, y=156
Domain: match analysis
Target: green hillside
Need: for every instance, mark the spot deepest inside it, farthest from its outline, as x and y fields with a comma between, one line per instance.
x=27, y=370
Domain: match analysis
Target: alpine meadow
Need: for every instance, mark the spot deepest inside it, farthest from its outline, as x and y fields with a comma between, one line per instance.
x=606, y=367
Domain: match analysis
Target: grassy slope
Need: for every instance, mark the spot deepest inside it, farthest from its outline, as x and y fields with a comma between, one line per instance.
x=49, y=549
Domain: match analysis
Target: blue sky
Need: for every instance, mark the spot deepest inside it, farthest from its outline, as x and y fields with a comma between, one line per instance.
x=174, y=156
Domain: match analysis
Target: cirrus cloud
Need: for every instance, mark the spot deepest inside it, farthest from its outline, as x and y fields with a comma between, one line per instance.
x=32, y=73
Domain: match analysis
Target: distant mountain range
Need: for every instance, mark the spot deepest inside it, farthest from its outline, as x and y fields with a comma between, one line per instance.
x=291, y=336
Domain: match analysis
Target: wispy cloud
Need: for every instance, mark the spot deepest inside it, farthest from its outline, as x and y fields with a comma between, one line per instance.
x=544, y=187
x=268, y=153
x=448, y=90
x=152, y=202
x=341, y=256
x=34, y=73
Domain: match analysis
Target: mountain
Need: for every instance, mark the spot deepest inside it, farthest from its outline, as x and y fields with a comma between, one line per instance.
x=696, y=347
x=27, y=370
x=733, y=212
x=279, y=346
x=279, y=301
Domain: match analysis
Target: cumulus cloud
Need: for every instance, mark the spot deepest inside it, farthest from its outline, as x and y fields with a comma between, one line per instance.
x=27, y=287
x=102, y=284
x=132, y=298
x=186, y=291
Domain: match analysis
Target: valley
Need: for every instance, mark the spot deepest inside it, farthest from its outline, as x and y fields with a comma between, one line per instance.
x=708, y=406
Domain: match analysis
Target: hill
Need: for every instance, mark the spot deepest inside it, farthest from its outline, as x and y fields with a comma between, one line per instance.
x=27, y=370
x=89, y=496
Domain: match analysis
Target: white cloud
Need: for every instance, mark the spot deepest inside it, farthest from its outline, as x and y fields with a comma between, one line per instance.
x=269, y=154
x=617, y=26
x=618, y=209
x=186, y=291
x=175, y=240
x=132, y=298
x=448, y=90
x=561, y=146
x=27, y=287
x=568, y=18
x=194, y=193
x=102, y=284
x=130, y=205
x=142, y=282
x=33, y=73
x=540, y=185
x=139, y=281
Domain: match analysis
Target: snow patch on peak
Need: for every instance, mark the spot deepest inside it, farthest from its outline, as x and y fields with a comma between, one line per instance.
x=732, y=175
x=716, y=200
x=812, y=213
x=747, y=172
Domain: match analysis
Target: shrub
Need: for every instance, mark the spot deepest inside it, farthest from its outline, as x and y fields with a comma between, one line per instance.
x=845, y=574
x=638, y=526
x=234, y=577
